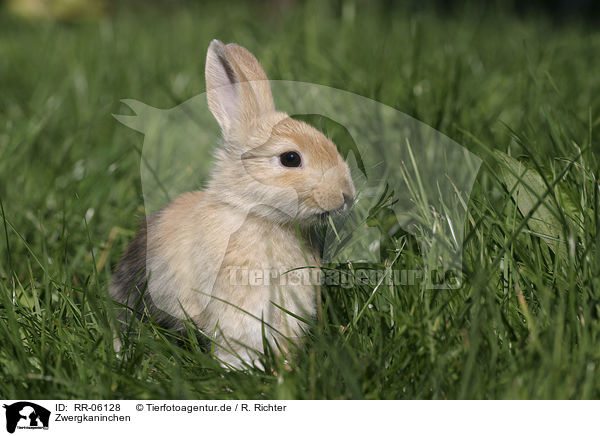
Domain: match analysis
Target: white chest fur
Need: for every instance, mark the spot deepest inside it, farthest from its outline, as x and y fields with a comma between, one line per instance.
x=230, y=282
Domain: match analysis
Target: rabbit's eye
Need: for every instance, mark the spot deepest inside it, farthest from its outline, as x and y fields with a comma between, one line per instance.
x=290, y=159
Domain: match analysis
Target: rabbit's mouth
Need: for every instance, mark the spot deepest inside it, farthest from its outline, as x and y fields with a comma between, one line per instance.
x=324, y=216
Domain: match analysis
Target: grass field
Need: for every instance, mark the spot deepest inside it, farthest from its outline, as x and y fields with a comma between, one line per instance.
x=525, y=323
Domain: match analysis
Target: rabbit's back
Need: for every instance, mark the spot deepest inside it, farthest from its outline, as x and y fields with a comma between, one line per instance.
x=162, y=249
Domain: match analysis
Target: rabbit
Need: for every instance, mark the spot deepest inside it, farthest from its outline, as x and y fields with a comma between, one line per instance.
x=273, y=178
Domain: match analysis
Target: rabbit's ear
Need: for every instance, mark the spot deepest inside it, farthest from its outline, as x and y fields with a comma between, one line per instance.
x=237, y=87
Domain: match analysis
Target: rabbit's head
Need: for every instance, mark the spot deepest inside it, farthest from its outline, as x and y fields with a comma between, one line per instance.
x=269, y=164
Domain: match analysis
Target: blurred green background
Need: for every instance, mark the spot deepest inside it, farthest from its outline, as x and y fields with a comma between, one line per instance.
x=494, y=77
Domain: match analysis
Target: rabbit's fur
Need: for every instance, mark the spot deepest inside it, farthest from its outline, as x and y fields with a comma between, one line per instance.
x=253, y=216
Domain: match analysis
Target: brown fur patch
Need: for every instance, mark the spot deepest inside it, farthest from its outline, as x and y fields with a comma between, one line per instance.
x=309, y=140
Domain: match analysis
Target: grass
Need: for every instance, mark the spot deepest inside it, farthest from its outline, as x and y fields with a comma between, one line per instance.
x=524, y=324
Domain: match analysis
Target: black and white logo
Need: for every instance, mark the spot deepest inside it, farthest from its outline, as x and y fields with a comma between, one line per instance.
x=26, y=415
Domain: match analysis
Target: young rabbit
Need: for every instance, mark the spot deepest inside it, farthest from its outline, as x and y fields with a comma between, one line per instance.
x=228, y=256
